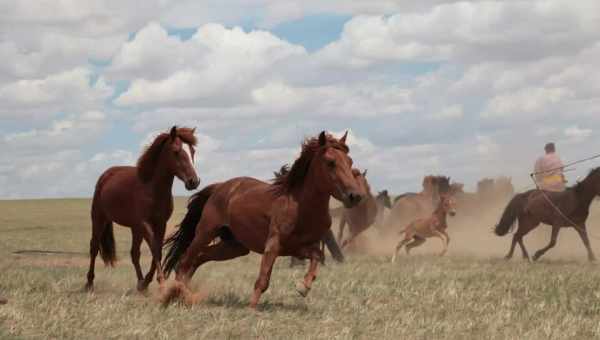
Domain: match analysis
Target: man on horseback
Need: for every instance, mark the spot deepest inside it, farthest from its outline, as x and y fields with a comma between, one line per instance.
x=548, y=170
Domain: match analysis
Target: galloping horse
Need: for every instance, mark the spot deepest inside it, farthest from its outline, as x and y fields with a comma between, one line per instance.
x=409, y=206
x=286, y=218
x=419, y=230
x=360, y=217
x=139, y=197
x=533, y=207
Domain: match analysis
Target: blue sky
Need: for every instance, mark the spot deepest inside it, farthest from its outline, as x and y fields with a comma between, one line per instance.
x=465, y=89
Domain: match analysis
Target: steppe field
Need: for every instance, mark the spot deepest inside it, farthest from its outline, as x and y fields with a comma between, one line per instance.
x=471, y=293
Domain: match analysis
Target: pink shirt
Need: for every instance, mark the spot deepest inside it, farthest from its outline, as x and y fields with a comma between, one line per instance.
x=549, y=172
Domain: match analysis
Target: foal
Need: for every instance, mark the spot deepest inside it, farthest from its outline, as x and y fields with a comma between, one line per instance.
x=434, y=226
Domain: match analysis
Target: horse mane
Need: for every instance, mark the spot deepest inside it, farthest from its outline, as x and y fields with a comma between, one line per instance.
x=288, y=178
x=443, y=184
x=147, y=162
x=579, y=186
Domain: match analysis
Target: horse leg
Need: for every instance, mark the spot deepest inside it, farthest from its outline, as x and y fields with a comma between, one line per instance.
x=341, y=230
x=446, y=236
x=586, y=242
x=349, y=242
x=136, y=242
x=445, y=244
x=417, y=241
x=315, y=255
x=512, y=248
x=266, y=267
x=552, y=243
x=154, y=241
x=398, y=247
x=98, y=225
x=222, y=251
x=523, y=250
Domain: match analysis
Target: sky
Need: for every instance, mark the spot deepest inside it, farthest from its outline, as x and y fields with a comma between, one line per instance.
x=468, y=89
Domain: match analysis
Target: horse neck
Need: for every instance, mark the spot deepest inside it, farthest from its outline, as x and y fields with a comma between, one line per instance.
x=588, y=191
x=310, y=199
x=162, y=180
x=440, y=213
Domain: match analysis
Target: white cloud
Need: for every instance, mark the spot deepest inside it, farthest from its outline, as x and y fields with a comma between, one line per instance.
x=216, y=66
x=575, y=134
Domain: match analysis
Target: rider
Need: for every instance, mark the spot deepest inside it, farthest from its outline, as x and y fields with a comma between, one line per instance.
x=548, y=170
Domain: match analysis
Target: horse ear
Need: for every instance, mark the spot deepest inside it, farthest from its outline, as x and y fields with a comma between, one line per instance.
x=343, y=139
x=193, y=131
x=364, y=174
x=173, y=132
x=322, y=138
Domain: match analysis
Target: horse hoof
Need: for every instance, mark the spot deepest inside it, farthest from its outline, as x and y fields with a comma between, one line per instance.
x=302, y=289
x=3, y=301
x=89, y=288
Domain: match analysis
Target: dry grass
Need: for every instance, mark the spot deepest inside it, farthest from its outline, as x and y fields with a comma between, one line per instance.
x=470, y=294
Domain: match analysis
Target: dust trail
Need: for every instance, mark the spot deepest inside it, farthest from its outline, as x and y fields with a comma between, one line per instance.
x=471, y=235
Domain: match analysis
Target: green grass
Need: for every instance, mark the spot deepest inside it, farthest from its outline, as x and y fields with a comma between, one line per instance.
x=460, y=296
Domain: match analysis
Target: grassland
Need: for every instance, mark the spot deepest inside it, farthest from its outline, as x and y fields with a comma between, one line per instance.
x=469, y=294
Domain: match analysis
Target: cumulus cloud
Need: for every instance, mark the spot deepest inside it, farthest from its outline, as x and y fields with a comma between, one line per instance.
x=469, y=89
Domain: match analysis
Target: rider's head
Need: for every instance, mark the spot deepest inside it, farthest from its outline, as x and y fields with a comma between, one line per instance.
x=550, y=148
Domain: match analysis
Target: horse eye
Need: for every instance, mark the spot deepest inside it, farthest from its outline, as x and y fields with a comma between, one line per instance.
x=331, y=164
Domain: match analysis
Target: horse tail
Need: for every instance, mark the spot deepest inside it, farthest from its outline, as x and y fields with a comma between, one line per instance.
x=108, y=248
x=180, y=240
x=515, y=207
x=333, y=246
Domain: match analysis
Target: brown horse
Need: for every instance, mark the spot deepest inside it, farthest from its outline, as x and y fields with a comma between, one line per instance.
x=139, y=197
x=419, y=230
x=360, y=217
x=533, y=207
x=409, y=206
x=286, y=218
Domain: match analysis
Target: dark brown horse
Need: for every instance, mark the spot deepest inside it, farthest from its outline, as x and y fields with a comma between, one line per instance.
x=360, y=217
x=533, y=207
x=139, y=197
x=286, y=218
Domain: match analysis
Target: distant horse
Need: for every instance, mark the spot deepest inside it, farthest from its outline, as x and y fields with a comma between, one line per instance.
x=532, y=208
x=360, y=217
x=140, y=197
x=286, y=218
x=419, y=230
x=409, y=206
x=383, y=201
x=489, y=192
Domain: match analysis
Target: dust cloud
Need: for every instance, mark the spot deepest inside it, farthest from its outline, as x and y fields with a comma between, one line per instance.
x=471, y=234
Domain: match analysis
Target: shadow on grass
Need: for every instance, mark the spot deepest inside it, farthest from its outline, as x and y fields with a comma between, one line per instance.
x=231, y=300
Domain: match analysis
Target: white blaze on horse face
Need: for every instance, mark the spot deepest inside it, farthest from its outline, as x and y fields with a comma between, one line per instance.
x=188, y=149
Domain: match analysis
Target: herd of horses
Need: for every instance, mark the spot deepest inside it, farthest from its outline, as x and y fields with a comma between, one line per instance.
x=291, y=215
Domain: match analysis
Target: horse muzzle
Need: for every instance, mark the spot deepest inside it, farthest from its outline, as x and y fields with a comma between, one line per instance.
x=192, y=183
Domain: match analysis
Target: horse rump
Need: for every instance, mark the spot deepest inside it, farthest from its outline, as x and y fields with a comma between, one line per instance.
x=512, y=211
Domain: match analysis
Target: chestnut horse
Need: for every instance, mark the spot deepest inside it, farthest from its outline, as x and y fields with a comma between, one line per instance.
x=410, y=205
x=139, y=197
x=533, y=207
x=362, y=216
x=419, y=230
x=286, y=218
